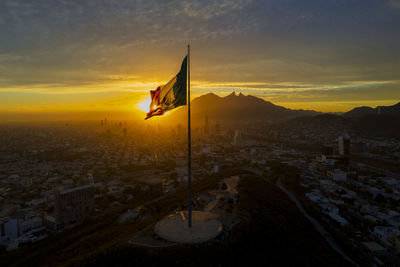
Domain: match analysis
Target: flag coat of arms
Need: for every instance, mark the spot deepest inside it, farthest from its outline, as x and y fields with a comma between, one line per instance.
x=171, y=95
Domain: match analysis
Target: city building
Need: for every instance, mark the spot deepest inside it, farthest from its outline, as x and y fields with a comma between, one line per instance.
x=8, y=229
x=72, y=206
x=236, y=137
x=344, y=145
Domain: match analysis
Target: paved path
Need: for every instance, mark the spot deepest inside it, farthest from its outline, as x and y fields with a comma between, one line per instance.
x=231, y=188
x=315, y=223
x=213, y=203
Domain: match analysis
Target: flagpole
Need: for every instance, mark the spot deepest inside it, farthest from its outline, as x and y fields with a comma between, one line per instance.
x=189, y=146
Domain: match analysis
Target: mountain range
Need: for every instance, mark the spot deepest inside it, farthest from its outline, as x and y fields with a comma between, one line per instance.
x=239, y=108
x=383, y=121
x=364, y=111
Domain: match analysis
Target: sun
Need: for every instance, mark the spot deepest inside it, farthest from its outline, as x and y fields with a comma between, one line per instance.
x=144, y=105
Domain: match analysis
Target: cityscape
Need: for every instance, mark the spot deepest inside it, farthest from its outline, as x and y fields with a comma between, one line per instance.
x=62, y=177
x=199, y=133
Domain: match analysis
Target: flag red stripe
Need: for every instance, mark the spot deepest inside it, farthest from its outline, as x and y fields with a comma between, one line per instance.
x=155, y=110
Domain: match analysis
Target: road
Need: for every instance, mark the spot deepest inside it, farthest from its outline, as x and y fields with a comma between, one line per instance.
x=315, y=223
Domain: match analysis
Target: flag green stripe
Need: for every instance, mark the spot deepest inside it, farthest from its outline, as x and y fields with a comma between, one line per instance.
x=179, y=88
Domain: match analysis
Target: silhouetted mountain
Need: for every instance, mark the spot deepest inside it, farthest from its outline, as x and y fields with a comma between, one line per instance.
x=364, y=111
x=381, y=121
x=390, y=110
x=378, y=125
x=239, y=108
x=359, y=112
x=382, y=125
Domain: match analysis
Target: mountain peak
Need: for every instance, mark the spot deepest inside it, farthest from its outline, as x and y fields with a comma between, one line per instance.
x=233, y=94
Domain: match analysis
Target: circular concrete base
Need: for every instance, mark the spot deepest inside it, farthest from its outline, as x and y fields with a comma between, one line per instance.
x=174, y=228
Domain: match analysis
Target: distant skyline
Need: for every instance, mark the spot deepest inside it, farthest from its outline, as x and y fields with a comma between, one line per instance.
x=93, y=56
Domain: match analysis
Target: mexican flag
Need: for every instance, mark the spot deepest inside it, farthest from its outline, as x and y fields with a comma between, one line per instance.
x=171, y=95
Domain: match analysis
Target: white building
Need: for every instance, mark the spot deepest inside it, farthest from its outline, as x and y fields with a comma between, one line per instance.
x=8, y=229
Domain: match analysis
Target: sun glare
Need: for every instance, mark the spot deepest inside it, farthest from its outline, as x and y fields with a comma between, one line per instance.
x=144, y=105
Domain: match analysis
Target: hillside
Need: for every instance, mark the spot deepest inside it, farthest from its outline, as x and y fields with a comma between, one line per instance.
x=359, y=112
x=381, y=110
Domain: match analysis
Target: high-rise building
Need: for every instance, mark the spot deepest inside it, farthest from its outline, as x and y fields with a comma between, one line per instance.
x=344, y=145
x=73, y=205
x=206, y=124
x=90, y=177
x=217, y=128
x=236, y=137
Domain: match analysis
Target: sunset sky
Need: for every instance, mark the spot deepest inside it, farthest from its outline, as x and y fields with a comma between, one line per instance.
x=70, y=56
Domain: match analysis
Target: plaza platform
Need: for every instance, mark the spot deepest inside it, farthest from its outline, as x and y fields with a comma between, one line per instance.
x=174, y=227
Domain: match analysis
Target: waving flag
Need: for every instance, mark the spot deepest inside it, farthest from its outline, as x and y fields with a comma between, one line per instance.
x=171, y=95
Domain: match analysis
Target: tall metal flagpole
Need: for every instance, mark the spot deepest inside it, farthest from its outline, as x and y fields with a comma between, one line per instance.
x=189, y=145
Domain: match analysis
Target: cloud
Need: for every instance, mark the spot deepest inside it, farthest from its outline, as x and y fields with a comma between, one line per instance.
x=260, y=47
x=394, y=4
x=378, y=92
x=209, y=9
